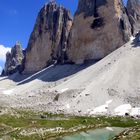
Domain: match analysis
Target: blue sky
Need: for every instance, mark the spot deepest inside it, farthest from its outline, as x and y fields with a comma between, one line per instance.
x=18, y=18
x=17, y=21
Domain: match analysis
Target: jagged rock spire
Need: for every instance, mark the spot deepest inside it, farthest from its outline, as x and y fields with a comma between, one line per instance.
x=14, y=60
x=49, y=37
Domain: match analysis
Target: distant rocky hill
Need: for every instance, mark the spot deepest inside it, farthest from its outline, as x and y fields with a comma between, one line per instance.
x=48, y=40
x=99, y=27
x=14, y=60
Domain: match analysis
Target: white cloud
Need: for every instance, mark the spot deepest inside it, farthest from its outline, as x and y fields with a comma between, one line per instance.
x=3, y=51
x=1, y=69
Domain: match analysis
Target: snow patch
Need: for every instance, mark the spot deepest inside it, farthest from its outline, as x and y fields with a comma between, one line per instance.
x=109, y=102
x=123, y=109
x=135, y=111
x=132, y=38
x=8, y=92
x=63, y=90
x=102, y=108
x=67, y=106
x=109, y=128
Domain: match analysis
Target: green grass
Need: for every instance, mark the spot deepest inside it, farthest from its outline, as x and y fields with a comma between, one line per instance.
x=14, y=124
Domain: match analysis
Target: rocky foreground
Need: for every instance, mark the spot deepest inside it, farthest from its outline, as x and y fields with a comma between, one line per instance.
x=27, y=125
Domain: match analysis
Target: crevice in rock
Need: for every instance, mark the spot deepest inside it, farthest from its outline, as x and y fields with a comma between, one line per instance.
x=97, y=23
x=122, y=24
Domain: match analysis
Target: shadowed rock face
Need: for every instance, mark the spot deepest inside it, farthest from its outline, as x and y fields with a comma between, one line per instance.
x=100, y=27
x=14, y=60
x=133, y=8
x=89, y=7
x=48, y=40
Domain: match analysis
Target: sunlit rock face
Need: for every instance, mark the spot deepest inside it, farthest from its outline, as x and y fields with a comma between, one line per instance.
x=48, y=41
x=99, y=27
x=133, y=8
x=14, y=60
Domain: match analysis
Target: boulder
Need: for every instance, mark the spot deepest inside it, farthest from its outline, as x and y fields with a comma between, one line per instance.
x=133, y=8
x=99, y=27
x=48, y=41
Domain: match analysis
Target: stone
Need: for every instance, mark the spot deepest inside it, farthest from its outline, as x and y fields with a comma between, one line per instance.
x=133, y=8
x=99, y=27
x=48, y=41
x=14, y=60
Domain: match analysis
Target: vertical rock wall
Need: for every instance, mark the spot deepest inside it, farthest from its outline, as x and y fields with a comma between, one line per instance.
x=100, y=27
x=48, y=40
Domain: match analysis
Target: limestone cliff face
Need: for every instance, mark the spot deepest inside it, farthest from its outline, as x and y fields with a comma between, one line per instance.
x=48, y=40
x=133, y=8
x=100, y=27
x=14, y=60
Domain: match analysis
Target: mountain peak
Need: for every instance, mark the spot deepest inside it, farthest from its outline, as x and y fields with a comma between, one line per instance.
x=14, y=60
x=99, y=27
x=49, y=37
